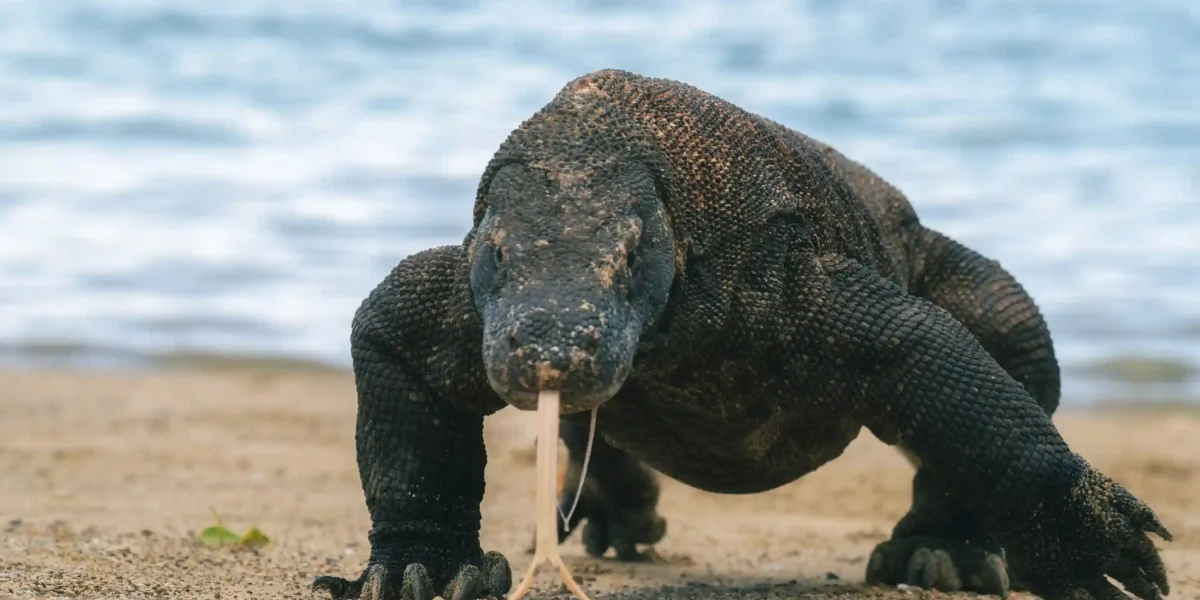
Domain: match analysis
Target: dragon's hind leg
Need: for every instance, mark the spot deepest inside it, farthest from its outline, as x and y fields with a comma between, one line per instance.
x=938, y=544
x=619, y=499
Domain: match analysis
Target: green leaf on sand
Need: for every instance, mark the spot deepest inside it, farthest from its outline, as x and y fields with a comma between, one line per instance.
x=218, y=535
x=254, y=537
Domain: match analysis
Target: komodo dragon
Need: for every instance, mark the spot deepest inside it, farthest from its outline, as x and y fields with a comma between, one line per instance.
x=738, y=300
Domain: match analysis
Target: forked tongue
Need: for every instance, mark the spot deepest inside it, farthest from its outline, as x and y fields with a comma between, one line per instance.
x=546, y=541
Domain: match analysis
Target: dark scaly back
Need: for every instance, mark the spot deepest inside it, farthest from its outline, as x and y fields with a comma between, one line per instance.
x=894, y=216
x=725, y=175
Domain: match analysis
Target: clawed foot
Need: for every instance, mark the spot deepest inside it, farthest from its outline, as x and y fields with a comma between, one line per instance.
x=385, y=582
x=621, y=529
x=1087, y=532
x=941, y=564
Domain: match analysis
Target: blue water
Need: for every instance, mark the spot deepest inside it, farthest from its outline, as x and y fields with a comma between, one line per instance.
x=235, y=175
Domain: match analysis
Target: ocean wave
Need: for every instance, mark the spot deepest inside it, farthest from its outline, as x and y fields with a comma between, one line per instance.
x=234, y=176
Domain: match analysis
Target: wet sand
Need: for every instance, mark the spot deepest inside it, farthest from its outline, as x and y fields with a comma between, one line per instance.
x=106, y=479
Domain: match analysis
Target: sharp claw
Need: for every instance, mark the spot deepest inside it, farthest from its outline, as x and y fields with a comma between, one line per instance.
x=1141, y=514
x=933, y=569
x=948, y=575
x=627, y=552
x=337, y=587
x=595, y=536
x=658, y=529
x=1160, y=579
x=995, y=576
x=1104, y=590
x=417, y=585
x=373, y=580
x=1143, y=554
x=1156, y=526
x=467, y=584
x=1138, y=586
x=1132, y=572
x=877, y=567
x=1146, y=520
x=920, y=569
x=497, y=574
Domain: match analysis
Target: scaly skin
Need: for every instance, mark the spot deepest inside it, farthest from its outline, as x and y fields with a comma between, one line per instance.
x=738, y=301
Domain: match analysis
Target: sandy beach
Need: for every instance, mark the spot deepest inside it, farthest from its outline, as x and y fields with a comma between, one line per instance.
x=107, y=478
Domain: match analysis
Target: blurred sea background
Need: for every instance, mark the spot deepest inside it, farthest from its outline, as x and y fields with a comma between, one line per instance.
x=229, y=178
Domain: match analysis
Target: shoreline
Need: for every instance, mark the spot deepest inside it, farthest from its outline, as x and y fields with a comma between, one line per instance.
x=1134, y=382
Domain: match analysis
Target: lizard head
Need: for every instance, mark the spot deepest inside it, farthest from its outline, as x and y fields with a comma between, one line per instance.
x=569, y=266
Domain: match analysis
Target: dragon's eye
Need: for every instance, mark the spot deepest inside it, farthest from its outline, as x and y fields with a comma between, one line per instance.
x=499, y=269
x=633, y=282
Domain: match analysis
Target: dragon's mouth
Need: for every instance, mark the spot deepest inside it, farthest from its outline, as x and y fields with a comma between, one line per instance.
x=570, y=403
x=519, y=381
